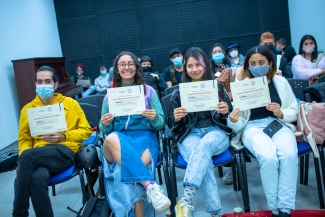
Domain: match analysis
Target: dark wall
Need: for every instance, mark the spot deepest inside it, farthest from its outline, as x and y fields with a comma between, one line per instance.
x=94, y=31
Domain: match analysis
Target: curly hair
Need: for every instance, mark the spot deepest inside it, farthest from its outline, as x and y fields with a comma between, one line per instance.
x=266, y=35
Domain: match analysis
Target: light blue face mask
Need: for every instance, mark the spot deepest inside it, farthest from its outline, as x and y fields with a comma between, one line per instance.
x=177, y=61
x=103, y=72
x=218, y=57
x=277, y=49
x=45, y=91
x=259, y=71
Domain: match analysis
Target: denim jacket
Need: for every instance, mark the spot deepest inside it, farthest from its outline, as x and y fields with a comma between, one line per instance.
x=182, y=128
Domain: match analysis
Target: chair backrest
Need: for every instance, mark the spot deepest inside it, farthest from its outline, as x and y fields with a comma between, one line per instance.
x=151, y=81
x=297, y=86
x=170, y=89
x=96, y=100
x=91, y=113
x=165, y=103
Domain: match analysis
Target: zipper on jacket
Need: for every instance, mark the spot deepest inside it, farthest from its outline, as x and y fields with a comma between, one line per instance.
x=127, y=122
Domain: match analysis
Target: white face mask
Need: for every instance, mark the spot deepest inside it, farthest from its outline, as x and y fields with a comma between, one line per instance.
x=308, y=49
x=233, y=53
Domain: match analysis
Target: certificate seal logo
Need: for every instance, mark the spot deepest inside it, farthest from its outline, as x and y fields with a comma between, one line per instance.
x=49, y=109
x=253, y=83
x=202, y=85
x=129, y=91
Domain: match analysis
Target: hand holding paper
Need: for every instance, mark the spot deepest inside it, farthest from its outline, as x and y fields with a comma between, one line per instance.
x=179, y=113
x=54, y=137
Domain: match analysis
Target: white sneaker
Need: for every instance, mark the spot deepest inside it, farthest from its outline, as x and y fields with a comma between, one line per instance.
x=228, y=178
x=156, y=197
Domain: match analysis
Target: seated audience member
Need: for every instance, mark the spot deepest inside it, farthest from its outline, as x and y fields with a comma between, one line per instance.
x=130, y=149
x=267, y=39
x=174, y=72
x=218, y=61
x=309, y=62
x=44, y=155
x=90, y=89
x=149, y=68
x=277, y=155
x=286, y=50
x=236, y=59
x=200, y=135
x=101, y=83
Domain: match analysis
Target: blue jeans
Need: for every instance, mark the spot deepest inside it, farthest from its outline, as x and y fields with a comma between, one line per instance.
x=89, y=91
x=197, y=150
x=121, y=181
x=278, y=160
x=35, y=166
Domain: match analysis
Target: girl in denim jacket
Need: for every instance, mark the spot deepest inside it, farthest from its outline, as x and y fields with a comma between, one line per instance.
x=130, y=150
x=200, y=136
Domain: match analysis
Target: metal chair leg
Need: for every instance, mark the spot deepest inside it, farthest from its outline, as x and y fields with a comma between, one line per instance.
x=173, y=184
x=159, y=174
x=301, y=169
x=319, y=184
x=53, y=190
x=234, y=176
x=83, y=186
x=220, y=171
x=242, y=177
x=306, y=167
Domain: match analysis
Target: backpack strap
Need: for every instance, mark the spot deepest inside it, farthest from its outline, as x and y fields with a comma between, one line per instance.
x=172, y=75
x=320, y=55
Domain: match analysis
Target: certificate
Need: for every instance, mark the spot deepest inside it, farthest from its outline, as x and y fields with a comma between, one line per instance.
x=199, y=96
x=126, y=100
x=46, y=119
x=83, y=82
x=250, y=93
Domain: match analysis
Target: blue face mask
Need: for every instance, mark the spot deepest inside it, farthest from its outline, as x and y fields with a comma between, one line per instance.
x=218, y=57
x=259, y=71
x=277, y=49
x=45, y=91
x=177, y=61
x=103, y=72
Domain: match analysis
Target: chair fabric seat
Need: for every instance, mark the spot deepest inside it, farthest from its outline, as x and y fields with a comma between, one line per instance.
x=90, y=140
x=303, y=147
x=217, y=159
x=63, y=175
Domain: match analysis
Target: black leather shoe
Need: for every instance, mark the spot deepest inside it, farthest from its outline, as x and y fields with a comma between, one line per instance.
x=273, y=215
x=284, y=214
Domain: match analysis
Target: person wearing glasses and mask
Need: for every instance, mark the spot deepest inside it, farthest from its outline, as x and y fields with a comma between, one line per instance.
x=44, y=155
x=174, y=72
x=101, y=82
x=236, y=59
x=309, y=64
x=130, y=150
x=277, y=155
x=267, y=39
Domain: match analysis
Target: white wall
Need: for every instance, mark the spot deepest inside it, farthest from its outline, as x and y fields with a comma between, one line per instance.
x=28, y=29
x=307, y=17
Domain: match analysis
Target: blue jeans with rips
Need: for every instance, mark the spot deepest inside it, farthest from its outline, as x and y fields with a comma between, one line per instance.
x=278, y=160
x=122, y=181
x=197, y=150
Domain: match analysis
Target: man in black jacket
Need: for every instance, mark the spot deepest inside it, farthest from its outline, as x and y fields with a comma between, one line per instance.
x=286, y=50
x=267, y=39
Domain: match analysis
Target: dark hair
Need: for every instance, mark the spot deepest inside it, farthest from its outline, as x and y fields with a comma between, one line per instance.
x=198, y=54
x=138, y=78
x=148, y=59
x=265, y=51
x=49, y=69
x=282, y=41
x=314, y=53
x=225, y=60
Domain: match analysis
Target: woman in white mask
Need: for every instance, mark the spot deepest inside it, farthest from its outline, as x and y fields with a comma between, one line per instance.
x=309, y=64
x=236, y=59
x=277, y=154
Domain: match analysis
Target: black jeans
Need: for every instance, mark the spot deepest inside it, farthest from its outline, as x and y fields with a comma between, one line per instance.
x=35, y=166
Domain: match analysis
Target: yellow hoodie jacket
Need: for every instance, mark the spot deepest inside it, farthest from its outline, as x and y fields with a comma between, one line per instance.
x=77, y=124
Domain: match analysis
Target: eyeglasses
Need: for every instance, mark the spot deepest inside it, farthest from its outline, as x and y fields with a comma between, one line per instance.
x=46, y=81
x=232, y=49
x=217, y=51
x=123, y=65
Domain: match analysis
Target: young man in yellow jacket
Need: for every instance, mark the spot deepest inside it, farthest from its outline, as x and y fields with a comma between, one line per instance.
x=51, y=153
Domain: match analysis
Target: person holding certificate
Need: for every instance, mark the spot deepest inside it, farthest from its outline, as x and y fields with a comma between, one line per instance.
x=200, y=135
x=130, y=149
x=268, y=134
x=47, y=154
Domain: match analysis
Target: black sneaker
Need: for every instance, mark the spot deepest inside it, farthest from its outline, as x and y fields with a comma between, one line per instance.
x=284, y=214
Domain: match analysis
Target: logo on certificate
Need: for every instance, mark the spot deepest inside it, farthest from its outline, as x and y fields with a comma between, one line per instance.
x=49, y=109
x=129, y=91
x=202, y=85
x=253, y=83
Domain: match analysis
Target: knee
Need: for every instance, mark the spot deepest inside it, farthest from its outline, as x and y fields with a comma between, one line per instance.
x=26, y=157
x=40, y=177
x=112, y=142
x=268, y=159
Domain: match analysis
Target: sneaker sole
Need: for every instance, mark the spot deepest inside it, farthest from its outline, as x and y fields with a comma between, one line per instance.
x=163, y=208
x=227, y=181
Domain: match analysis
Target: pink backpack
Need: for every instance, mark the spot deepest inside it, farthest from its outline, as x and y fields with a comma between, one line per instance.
x=311, y=122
